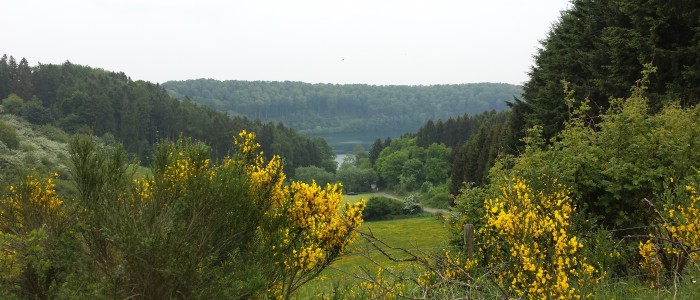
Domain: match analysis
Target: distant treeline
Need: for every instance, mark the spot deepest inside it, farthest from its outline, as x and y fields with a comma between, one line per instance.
x=137, y=113
x=334, y=108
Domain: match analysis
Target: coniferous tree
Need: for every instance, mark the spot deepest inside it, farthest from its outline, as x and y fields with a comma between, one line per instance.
x=599, y=47
x=387, y=142
x=4, y=77
x=376, y=149
x=23, y=80
x=427, y=134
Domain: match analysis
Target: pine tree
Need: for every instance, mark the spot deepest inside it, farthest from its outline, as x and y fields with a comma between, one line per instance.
x=4, y=77
x=599, y=47
x=376, y=149
x=23, y=80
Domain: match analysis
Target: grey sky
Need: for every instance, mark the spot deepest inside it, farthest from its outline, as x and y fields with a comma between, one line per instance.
x=360, y=41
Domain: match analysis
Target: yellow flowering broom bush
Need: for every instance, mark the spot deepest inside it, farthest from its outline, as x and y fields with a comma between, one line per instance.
x=530, y=246
x=305, y=226
x=676, y=243
x=203, y=229
x=526, y=245
x=32, y=220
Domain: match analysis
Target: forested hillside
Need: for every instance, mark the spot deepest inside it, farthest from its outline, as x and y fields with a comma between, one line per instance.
x=333, y=108
x=137, y=113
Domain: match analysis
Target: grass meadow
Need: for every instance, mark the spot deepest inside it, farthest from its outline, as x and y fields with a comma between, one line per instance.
x=424, y=234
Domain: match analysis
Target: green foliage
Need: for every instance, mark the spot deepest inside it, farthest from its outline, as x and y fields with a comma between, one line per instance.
x=80, y=99
x=436, y=168
x=36, y=113
x=464, y=148
x=600, y=46
x=313, y=173
x=326, y=155
x=170, y=230
x=55, y=133
x=13, y=104
x=389, y=166
x=614, y=165
x=37, y=241
x=470, y=205
x=4, y=77
x=375, y=150
x=357, y=179
x=379, y=208
x=436, y=196
x=330, y=108
x=411, y=205
x=35, y=152
x=453, y=132
x=405, y=165
x=411, y=174
x=382, y=208
x=8, y=135
x=196, y=229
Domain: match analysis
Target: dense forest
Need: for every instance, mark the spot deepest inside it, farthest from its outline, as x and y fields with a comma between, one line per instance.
x=333, y=108
x=137, y=113
x=600, y=47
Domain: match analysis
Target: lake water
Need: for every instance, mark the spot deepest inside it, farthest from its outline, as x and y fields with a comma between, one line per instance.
x=339, y=158
x=344, y=143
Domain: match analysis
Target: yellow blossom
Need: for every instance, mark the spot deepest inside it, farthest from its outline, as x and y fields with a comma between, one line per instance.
x=535, y=227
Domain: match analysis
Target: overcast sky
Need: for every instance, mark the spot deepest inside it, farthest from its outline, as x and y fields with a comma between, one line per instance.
x=374, y=42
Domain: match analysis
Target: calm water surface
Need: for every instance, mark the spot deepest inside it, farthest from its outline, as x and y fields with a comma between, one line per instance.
x=344, y=143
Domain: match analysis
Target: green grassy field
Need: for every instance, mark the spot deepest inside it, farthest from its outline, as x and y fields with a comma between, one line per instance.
x=422, y=234
x=355, y=198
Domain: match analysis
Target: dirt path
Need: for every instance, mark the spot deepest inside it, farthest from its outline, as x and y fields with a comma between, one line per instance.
x=425, y=208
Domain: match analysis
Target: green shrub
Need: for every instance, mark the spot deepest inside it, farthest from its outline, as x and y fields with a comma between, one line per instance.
x=314, y=173
x=411, y=205
x=8, y=136
x=435, y=196
x=36, y=113
x=37, y=245
x=381, y=208
x=13, y=104
x=55, y=133
x=203, y=230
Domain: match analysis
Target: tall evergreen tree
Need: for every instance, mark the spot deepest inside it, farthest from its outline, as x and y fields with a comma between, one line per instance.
x=376, y=149
x=23, y=80
x=427, y=134
x=4, y=77
x=12, y=74
x=599, y=46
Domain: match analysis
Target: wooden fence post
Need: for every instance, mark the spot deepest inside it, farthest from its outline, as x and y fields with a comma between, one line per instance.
x=469, y=240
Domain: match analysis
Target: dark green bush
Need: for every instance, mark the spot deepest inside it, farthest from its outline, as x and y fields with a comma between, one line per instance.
x=55, y=133
x=8, y=136
x=36, y=113
x=382, y=208
x=13, y=104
